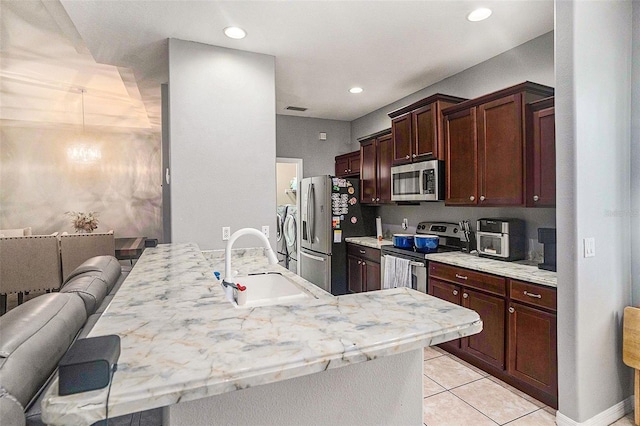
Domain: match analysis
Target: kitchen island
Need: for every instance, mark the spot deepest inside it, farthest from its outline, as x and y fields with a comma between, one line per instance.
x=322, y=360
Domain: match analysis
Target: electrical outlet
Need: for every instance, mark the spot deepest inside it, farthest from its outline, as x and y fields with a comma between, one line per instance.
x=589, y=247
x=265, y=230
x=226, y=233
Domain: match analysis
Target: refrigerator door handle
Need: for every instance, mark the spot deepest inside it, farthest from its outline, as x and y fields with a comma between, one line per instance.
x=312, y=218
x=310, y=256
x=305, y=225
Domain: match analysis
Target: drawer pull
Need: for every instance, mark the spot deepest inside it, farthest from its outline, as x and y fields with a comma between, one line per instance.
x=362, y=251
x=462, y=277
x=455, y=292
x=537, y=296
x=465, y=295
x=511, y=310
x=359, y=262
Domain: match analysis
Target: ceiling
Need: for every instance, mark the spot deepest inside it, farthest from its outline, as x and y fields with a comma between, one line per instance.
x=117, y=48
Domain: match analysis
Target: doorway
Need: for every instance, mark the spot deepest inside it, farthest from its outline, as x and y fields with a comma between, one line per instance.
x=288, y=175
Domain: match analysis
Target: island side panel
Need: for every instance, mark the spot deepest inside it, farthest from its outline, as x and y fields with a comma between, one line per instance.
x=382, y=391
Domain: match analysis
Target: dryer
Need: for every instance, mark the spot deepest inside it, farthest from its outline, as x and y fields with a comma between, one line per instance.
x=290, y=231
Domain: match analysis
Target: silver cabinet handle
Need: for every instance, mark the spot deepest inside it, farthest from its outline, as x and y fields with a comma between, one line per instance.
x=536, y=198
x=414, y=156
x=482, y=198
x=465, y=295
x=345, y=170
x=364, y=264
x=407, y=157
x=377, y=199
x=359, y=262
x=472, y=198
x=373, y=199
x=362, y=251
x=455, y=292
x=462, y=277
x=537, y=296
x=511, y=310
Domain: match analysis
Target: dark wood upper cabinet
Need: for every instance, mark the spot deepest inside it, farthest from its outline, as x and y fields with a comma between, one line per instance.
x=461, y=167
x=348, y=164
x=375, y=177
x=486, y=136
x=417, y=129
x=541, y=154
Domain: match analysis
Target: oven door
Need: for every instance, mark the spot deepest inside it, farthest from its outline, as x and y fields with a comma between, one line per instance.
x=418, y=275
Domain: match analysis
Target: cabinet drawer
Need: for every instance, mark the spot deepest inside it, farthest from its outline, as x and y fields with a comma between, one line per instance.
x=532, y=294
x=469, y=278
x=364, y=252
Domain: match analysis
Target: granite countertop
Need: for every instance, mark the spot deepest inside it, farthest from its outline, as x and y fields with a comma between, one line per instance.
x=181, y=339
x=517, y=270
x=371, y=242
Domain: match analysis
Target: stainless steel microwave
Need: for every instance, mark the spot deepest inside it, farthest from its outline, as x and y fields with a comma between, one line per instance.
x=423, y=181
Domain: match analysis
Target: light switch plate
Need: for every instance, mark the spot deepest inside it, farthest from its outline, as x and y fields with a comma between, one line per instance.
x=589, y=247
x=226, y=233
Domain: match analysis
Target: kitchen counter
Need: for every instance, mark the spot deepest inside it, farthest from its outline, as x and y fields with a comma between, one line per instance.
x=371, y=242
x=182, y=342
x=517, y=270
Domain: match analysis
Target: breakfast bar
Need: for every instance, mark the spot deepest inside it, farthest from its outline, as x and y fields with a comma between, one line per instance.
x=318, y=360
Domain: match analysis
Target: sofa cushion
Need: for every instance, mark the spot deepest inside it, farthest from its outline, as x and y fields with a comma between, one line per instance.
x=11, y=412
x=107, y=268
x=35, y=335
x=92, y=290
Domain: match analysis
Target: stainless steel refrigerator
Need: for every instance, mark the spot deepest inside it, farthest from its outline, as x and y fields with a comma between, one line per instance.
x=330, y=211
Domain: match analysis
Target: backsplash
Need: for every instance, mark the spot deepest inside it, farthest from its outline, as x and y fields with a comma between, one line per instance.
x=392, y=216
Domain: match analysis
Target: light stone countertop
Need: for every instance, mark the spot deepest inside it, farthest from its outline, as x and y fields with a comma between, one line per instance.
x=371, y=242
x=516, y=270
x=181, y=340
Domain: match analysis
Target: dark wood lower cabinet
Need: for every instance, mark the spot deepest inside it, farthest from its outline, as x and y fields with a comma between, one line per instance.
x=517, y=345
x=363, y=269
x=533, y=355
x=488, y=345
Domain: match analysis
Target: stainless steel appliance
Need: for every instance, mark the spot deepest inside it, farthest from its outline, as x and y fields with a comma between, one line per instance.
x=501, y=238
x=330, y=211
x=423, y=181
x=449, y=240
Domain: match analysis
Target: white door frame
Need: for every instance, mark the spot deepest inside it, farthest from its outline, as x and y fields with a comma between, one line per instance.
x=298, y=162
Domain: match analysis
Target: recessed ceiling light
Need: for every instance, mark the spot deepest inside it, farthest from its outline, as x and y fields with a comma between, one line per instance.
x=235, y=32
x=479, y=14
x=356, y=90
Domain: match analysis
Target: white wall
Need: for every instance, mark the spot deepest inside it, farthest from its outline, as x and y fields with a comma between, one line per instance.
x=593, y=107
x=298, y=137
x=532, y=61
x=223, y=149
x=635, y=157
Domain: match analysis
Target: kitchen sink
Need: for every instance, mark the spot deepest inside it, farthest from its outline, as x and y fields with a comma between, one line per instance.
x=270, y=289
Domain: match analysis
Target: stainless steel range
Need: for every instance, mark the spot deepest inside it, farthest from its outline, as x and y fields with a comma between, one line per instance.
x=450, y=240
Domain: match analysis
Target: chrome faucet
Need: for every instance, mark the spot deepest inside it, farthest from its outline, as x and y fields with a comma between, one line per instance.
x=228, y=275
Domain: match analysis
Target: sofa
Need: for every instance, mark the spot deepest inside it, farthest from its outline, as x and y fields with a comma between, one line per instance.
x=35, y=335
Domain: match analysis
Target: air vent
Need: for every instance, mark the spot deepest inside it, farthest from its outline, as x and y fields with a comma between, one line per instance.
x=295, y=108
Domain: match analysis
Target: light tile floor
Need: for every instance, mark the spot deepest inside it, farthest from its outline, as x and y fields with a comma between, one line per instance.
x=457, y=393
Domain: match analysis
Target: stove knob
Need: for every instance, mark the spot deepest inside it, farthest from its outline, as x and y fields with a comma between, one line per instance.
x=455, y=230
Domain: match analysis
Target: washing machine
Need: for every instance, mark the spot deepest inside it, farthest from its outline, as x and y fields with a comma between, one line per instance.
x=281, y=243
x=290, y=231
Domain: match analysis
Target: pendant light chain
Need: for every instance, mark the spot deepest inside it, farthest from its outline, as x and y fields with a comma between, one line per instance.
x=82, y=93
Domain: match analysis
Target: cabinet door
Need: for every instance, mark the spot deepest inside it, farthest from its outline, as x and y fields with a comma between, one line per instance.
x=544, y=159
x=425, y=138
x=462, y=155
x=368, y=177
x=533, y=354
x=489, y=344
x=501, y=152
x=385, y=157
x=371, y=275
x=450, y=293
x=354, y=274
x=354, y=163
x=401, y=132
x=342, y=166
